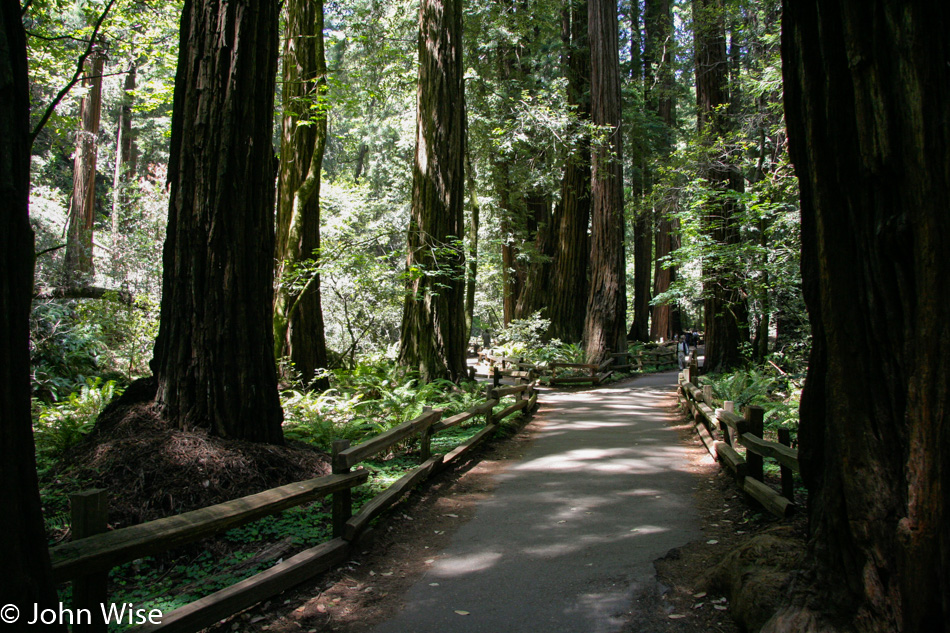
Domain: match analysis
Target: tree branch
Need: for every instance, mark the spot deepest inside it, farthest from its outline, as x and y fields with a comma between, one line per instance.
x=76, y=76
x=49, y=250
x=85, y=292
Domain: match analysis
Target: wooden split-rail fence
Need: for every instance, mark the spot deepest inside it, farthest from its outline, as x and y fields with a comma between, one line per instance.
x=93, y=552
x=721, y=430
x=580, y=373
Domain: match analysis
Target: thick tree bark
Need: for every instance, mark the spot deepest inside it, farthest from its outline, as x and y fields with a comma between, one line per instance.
x=433, y=324
x=726, y=320
x=605, y=326
x=24, y=558
x=569, y=285
x=298, y=312
x=214, y=356
x=868, y=134
x=82, y=206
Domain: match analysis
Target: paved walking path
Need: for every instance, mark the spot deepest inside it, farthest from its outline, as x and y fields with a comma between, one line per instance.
x=569, y=536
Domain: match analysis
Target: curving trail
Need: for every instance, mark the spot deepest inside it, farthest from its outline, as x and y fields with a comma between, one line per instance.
x=566, y=542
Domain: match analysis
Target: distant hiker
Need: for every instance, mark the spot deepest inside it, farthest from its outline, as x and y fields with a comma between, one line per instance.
x=689, y=338
x=682, y=351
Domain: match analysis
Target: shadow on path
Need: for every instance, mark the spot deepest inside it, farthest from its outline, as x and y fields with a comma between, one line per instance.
x=569, y=536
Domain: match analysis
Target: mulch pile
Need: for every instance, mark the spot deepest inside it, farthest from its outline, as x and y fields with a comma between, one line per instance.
x=152, y=471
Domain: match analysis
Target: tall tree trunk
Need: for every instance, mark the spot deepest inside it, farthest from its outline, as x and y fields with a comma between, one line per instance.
x=569, y=285
x=868, y=134
x=24, y=558
x=534, y=295
x=82, y=205
x=298, y=313
x=472, y=243
x=124, y=164
x=641, y=72
x=433, y=324
x=511, y=273
x=726, y=320
x=659, y=42
x=604, y=329
x=214, y=356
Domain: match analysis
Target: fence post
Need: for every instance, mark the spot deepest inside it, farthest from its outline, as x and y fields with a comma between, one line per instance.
x=342, y=500
x=496, y=378
x=693, y=370
x=471, y=374
x=707, y=394
x=89, y=510
x=755, y=426
x=788, y=485
x=730, y=406
x=425, y=440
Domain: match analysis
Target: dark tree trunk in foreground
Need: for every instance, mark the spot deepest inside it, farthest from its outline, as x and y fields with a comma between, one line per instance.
x=214, y=356
x=82, y=205
x=725, y=310
x=868, y=133
x=659, y=42
x=24, y=558
x=605, y=327
x=568, y=299
x=433, y=323
x=298, y=313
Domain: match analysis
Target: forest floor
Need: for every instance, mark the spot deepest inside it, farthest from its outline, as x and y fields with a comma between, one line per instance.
x=693, y=590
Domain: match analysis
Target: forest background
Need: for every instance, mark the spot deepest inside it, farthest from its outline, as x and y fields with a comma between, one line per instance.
x=708, y=220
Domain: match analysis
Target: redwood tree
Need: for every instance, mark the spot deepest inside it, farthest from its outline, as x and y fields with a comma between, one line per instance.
x=433, y=324
x=660, y=97
x=82, y=205
x=24, y=558
x=214, y=356
x=724, y=309
x=640, y=177
x=568, y=299
x=298, y=313
x=604, y=329
x=866, y=91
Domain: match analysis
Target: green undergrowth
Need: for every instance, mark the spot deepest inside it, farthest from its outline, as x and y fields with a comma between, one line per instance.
x=176, y=579
x=368, y=400
x=779, y=394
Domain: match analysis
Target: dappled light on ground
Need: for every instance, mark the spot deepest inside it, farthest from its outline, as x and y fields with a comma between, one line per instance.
x=570, y=534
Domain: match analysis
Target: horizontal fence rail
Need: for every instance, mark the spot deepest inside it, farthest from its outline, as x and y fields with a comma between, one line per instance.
x=500, y=365
x=87, y=561
x=721, y=430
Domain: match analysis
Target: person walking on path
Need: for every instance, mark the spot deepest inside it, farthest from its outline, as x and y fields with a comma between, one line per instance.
x=682, y=351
